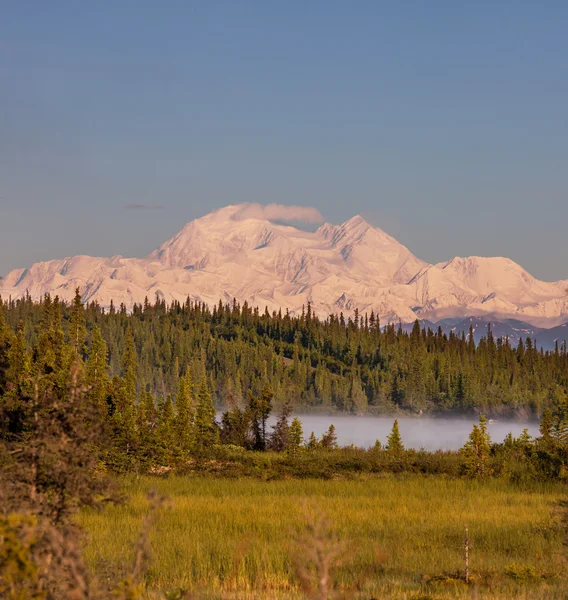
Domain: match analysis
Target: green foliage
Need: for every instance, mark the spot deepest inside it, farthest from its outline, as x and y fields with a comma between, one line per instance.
x=138, y=371
x=279, y=439
x=522, y=572
x=259, y=408
x=346, y=365
x=19, y=572
x=295, y=438
x=185, y=413
x=96, y=373
x=329, y=439
x=77, y=325
x=313, y=442
x=394, y=445
x=476, y=451
x=206, y=432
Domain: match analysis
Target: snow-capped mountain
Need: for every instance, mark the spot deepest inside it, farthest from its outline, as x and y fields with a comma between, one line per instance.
x=236, y=253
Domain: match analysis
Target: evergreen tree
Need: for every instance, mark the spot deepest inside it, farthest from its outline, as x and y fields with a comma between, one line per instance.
x=235, y=423
x=357, y=396
x=6, y=340
x=280, y=435
x=51, y=356
x=476, y=451
x=394, y=441
x=560, y=417
x=313, y=442
x=329, y=439
x=396, y=393
x=165, y=429
x=265, y=407
x=130, y=367
x=166, y=418
x=206, y=432
x=546, y=429
x=19, y=369
x=77, y=329
x=124, y=398
x=184, y=412
x=147, y=413
x=296, y=438
x=259, y=408
x=96, y=374
x=16, y=401
x=147, y=418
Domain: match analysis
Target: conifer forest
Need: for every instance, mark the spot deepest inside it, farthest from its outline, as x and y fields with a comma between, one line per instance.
x=96, y=404
x=353, y=365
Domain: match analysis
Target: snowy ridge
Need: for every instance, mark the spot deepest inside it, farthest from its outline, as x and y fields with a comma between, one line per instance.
x=235, y=252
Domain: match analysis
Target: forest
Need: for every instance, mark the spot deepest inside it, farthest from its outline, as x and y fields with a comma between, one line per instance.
x=352, y=365
x=151, y=381
x=93, y=400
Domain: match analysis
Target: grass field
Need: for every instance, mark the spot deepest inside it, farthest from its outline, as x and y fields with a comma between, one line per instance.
x=397, y=537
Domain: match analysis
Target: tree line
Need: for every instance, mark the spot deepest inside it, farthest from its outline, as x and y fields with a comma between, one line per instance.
x=349, y=365
x=83, y=393
x=154, y=377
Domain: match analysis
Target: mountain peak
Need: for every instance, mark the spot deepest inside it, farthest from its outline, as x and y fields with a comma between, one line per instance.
x=356, y=222
x=244, y=251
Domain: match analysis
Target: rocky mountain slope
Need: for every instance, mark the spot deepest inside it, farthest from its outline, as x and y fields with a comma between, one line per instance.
x=338, y=268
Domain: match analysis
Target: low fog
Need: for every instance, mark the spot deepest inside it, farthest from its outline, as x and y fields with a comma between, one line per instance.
x=427, y=433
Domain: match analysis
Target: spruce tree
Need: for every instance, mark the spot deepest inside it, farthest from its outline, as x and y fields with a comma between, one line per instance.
x=166, y=418
x=96, y=373
x=6, y=340
x=280, y=435
x=77, y=328
x=19, y=363
x=394, y=441
x=476, y=451
x=52, y=358
x=258, y=410
x=147, y=414
x=546, y=429
x=17, y=399
x=313, y=442
x=560, y=417
x=265, y=407
x=184, y=412
x=206, y=432
x=234, y=422
x=124, y=397
x=129, y=366
x=147, y=420
x=357, y=396
x=295, y=438
x=329, y=439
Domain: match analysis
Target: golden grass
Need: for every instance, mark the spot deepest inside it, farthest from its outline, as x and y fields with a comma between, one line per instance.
x=401, y=537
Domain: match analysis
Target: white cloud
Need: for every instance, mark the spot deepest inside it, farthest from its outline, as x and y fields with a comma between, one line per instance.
x=279, y=212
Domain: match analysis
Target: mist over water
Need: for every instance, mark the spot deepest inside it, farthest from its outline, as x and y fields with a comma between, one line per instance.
x=428, y=433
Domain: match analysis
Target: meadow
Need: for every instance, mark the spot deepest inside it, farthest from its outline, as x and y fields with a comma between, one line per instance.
x=389, y=536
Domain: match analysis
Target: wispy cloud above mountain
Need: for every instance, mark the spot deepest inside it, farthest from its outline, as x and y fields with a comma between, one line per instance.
x=279, y=212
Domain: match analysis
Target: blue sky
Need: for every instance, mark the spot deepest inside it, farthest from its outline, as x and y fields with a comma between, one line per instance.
x=444, y=123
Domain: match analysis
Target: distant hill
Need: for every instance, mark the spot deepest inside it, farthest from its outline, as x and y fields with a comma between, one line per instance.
x=512, y=329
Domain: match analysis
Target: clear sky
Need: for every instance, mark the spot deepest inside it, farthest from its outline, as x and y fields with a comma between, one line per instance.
x=444, y=123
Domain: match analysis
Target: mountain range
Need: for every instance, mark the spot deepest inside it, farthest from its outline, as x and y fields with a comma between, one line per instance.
x=235, y=253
